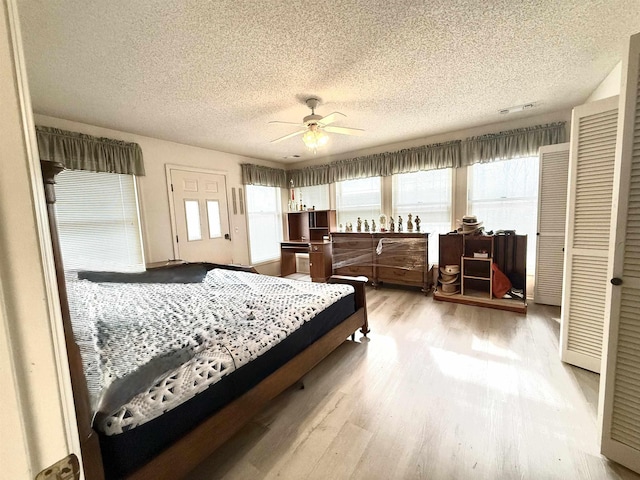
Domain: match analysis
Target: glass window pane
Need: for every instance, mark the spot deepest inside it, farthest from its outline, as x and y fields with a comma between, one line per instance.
x=504, y=195
x=213, y=216
x=192, y=215
x=316, y=196
x=425, y=194
x=264, y=218
x=359, y=198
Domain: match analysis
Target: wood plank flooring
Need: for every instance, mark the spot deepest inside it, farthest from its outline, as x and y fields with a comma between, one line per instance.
x=438, y=391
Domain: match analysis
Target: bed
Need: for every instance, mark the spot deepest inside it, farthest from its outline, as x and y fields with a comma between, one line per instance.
x=237, y=339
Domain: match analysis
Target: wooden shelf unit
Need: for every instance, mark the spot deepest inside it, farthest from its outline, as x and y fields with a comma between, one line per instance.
x=307, y=230
x=311, y=225
x=508, y=252
x=476, y=271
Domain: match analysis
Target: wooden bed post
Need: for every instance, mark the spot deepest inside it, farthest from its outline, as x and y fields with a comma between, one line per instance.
x=89, y=444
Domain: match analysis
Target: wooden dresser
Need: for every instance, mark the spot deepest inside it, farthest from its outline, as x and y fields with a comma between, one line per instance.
x=402, y=258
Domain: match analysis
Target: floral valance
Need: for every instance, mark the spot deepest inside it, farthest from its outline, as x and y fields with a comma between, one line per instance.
x=521, y=142
x=265, y=176
x=77, y=151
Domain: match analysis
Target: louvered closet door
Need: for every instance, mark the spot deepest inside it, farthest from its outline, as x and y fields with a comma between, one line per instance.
x=591, y=161
x=552, y=215
x=620, y=382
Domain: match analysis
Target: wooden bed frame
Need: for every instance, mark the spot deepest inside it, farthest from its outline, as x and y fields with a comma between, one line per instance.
x=187, y=452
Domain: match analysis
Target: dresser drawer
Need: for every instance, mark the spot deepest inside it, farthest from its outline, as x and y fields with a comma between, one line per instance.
x=354, y=271
x=353, y=257
x=412, y=262
x=342, y=243
x=400, y=275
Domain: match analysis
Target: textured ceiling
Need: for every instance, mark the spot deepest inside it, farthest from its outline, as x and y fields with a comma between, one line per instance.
x=213, y=74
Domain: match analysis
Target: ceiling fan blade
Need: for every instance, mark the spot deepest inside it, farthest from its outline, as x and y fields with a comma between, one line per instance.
x=299, y=132
x=345, y=130
x=332, y=117
x=288, y=123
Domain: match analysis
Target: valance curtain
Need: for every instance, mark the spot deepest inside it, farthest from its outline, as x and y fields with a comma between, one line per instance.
x=521, y=142
x=264, y=176
x=77, y=151
x=426, y=157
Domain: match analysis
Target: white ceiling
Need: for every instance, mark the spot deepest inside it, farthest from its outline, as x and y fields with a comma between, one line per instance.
x=213, y=74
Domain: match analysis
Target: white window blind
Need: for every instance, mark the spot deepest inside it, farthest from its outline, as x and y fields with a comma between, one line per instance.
x=359, y=198
x=426, y=194
x=265, y=222
x=504, y=195
x=316, y=196
x=98, y=221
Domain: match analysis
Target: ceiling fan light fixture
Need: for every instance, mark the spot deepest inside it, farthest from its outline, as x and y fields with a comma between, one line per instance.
x=314, y=137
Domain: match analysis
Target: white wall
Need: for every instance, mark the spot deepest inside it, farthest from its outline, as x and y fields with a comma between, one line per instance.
x=154, y=198
x=609, y=87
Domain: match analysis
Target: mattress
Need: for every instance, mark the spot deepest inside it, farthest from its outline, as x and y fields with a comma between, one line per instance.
x=159, y=358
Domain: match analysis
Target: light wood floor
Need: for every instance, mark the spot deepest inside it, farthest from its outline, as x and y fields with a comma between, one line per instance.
x=437, y=391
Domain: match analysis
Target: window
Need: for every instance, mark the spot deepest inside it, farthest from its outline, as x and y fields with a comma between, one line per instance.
x=504, y=195
x=358, y=198
x=316, y=196
x=265, y=222
x=213, y=217
x=192, y=216
x=426, y=194
x=98, y=222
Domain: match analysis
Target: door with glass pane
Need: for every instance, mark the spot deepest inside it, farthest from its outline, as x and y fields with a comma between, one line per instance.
x=201, y=219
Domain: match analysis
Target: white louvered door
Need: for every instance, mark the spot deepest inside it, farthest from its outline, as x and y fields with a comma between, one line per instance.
x=591, y=162
x=619, y=404
x=552, y=214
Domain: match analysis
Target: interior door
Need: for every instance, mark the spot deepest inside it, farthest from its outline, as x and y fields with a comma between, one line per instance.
x=201, y=218
x=591, y=164
x=552, y=214
x=620, y=381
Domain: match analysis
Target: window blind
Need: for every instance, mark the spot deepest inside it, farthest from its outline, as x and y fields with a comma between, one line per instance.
x=504, y=195
x=264, y=217
x=98, y=222
x=316, y=196
x=359, y=198
x=426, y=194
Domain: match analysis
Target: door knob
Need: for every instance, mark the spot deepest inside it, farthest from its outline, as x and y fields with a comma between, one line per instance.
x=616, y=281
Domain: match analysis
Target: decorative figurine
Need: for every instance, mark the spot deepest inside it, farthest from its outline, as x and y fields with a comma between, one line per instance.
x=341, y=228
x=409, y=223
x=417, y=222
x=392, y=226
x=373, y=225
x=349, y=227
x=399, y=223
x=383, y=223
x=358, y=225
x=293, y=206
x=366, y=226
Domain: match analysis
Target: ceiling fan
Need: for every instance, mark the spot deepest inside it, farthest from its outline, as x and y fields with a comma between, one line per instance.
x=314, y=127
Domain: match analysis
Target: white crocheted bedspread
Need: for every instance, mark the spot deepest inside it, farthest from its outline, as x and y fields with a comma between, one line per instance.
x=147, y=348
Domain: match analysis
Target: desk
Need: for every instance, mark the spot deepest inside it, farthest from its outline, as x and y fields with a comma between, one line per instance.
x=319, y=258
